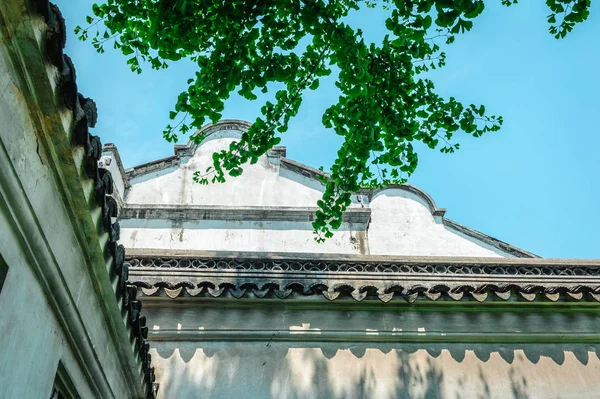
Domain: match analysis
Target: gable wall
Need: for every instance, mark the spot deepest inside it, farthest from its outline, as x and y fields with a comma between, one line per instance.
x=401, y=223
x=260, y=184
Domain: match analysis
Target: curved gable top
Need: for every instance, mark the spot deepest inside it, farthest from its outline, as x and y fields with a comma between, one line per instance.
x=407, y=219
x=226, y=128
x=398, y=219
x=422, y=195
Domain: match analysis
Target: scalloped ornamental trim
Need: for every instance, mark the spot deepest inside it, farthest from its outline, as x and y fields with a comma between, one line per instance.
x=477, y=280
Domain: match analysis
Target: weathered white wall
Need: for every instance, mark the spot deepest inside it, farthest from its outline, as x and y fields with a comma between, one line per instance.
x=401, y=221
x=274, y=370
x=260, y=184
x=216, y=235
x=403, y=224
x=31, y=339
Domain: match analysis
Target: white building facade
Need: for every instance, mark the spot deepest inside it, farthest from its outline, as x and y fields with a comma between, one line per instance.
x=401, y=302
x=238, y=298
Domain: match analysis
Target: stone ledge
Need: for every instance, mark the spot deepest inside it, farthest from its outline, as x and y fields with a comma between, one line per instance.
x=465, y=337
x=373, y=259
x=358, y=216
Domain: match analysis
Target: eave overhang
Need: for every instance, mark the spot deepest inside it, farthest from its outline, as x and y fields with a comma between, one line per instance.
x=177, y=274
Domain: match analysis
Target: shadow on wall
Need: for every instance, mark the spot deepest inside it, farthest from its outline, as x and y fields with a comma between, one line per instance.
x=277, y=370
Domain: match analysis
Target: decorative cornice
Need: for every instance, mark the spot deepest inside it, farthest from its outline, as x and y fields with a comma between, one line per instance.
x=207, y=131
x=494, y=242
x=370, y=336
x=363, y=277
x=152, y=166
x=359, y=216
x=302, y=169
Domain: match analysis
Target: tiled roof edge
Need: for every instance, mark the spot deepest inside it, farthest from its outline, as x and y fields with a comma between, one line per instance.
x=382, y=278
x=99, y=195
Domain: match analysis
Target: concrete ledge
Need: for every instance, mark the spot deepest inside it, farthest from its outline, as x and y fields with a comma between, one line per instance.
x=358, y=216
x=371, y=336
x=432, y=260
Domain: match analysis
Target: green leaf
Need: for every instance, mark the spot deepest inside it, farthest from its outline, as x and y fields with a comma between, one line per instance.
x=427, y=22
x=384, y=103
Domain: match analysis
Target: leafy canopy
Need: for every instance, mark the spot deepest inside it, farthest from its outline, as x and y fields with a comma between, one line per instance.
x=385, y=104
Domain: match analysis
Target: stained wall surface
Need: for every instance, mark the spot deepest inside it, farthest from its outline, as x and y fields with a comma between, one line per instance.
x=276, y=370
x=402, y=222
x=36, y=227
x=369, y=350
x=31, y=340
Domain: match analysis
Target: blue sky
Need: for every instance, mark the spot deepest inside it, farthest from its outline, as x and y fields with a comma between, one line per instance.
x=532, y=184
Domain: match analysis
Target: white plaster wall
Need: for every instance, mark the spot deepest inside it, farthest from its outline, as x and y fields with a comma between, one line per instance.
x=215, y=235
x=276, y=370
x=31, y=340
x=402, y=224
x=189, y=359
x=259, y=185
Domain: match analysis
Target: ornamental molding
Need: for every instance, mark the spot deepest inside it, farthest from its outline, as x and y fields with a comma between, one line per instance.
x=375, y=336
x=183, y=213
x=172, y=274
x=209, y=131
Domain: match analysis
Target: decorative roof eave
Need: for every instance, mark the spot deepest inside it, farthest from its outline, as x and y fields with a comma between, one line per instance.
x=220, y=274
x=110, y=147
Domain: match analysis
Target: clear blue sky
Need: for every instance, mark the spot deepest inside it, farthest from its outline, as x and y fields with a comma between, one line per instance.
x=534, y=184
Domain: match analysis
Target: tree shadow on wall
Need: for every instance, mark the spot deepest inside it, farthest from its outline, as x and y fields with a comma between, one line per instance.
x=279, y=370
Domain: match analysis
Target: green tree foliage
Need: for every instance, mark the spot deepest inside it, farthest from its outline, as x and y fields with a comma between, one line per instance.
x=385, y=103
